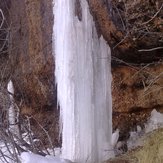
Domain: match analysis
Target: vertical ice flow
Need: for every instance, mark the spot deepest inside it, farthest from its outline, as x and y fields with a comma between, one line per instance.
x=11, y=110
x=83, y=78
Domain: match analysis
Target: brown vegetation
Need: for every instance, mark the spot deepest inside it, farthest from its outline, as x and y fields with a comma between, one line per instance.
x=132, y=28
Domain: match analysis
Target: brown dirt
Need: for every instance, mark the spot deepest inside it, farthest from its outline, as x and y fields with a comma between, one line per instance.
x=136, y=91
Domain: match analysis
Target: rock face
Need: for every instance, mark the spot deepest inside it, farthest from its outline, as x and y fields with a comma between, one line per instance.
x=137, y=88
x=27, y=58
x=130, y=28
x=31, y=52
x=136, y=91
x=32, y=61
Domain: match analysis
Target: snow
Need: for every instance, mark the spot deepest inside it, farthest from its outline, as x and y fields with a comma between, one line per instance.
x=10, y=87
x=115, y=137
x=27, y=157
x=139, y=129
x=155, y=121
x=134, y=140
x=83, y=78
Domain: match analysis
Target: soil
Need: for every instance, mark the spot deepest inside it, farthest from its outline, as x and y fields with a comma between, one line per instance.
x=135, y=93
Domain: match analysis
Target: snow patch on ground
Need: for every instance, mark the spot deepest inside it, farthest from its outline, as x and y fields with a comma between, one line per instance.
x=155, y=121
x=135, y=140
x=27, y=157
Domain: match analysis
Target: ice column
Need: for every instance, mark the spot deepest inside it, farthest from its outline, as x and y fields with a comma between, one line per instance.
x=83, y=78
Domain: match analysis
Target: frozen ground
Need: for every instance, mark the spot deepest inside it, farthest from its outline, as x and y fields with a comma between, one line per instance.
x=7, y=154
x=154, y=122
x=27, y=157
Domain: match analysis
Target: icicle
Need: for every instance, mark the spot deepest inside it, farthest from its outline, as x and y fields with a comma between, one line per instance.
x=11, y=112
x=115, y=137
x=83, y=78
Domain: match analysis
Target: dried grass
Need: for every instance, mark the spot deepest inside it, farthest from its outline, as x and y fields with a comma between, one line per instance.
x=151, y=152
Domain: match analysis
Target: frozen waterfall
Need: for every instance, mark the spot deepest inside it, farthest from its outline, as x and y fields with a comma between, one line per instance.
x=83, y=78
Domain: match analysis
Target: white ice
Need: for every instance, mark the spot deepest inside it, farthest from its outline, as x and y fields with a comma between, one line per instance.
x=11, y=111
x=134, y=140
x=155, y=121
x=27, y=157
x=83, y=78
x=10, y=88
x=115, y=137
